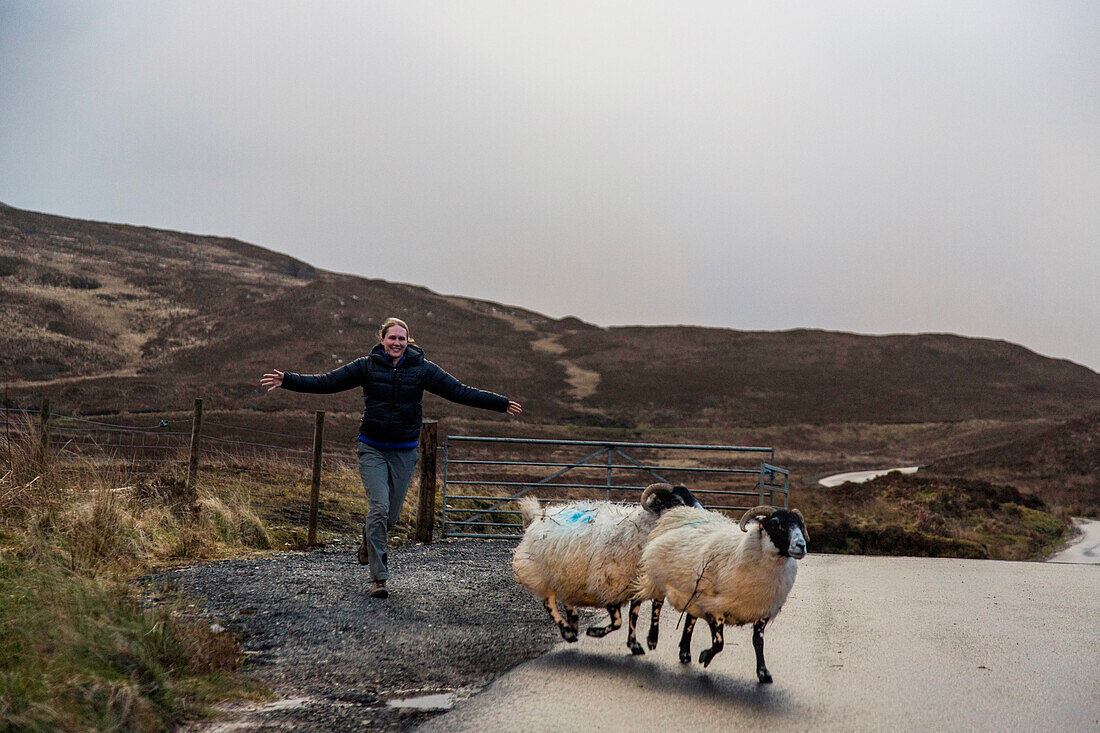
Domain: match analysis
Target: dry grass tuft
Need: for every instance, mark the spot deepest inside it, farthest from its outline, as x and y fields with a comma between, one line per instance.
x=77, y=648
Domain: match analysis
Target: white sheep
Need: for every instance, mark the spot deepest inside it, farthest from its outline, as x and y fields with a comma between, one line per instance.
x=710, y=567
x=585, y=553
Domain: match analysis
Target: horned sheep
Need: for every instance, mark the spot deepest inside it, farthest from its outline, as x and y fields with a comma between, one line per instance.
x=708, y=566
x=586, y=553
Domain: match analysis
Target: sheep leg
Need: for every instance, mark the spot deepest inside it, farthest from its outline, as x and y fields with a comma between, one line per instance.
x=615, y=612
x=572, y=617
x=762, y=672
x=631, y=639
x=685, y=639
x=654, y=623
x=551, y=606
x=716, y=640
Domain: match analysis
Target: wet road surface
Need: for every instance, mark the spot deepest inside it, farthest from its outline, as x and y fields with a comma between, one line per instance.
x=1085, y=548
x=858, y=477
x=863, y=644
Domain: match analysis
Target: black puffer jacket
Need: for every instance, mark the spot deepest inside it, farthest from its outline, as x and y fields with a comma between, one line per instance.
x=392, y=409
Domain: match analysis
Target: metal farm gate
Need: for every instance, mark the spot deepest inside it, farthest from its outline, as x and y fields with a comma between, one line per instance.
x=482, y=477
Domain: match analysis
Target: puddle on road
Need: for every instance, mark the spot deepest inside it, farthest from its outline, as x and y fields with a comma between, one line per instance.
x=292, y=703
x=437, y=701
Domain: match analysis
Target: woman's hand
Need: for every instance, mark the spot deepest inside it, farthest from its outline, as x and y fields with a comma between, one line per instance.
x=273, y=380
x=514, y=408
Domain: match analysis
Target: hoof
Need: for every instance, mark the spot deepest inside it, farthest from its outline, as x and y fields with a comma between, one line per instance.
x=764, y=676
x=636, y=649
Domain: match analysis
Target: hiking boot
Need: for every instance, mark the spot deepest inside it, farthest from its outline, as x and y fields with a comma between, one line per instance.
x=378, y=589
x=363, y=553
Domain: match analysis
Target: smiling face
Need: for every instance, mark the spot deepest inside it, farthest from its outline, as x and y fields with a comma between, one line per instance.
x=394, y=341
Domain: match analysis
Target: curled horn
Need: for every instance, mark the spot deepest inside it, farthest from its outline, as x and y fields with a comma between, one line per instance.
x=756, y=511
x=648, y=499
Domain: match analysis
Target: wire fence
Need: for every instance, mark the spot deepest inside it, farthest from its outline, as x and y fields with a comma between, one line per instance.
x=271, y=470
x=278, y=472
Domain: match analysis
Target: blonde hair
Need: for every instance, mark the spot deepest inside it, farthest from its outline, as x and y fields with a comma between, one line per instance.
x=386, y=324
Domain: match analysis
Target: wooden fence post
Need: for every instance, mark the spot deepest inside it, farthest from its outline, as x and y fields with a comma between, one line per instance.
x=7, y=427
x=44, y=434
x=196, y=438
x=315, y=487
x=425, y=508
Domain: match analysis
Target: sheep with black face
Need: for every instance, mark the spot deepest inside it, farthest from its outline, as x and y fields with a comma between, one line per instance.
x=729, y=573
x=585, y=553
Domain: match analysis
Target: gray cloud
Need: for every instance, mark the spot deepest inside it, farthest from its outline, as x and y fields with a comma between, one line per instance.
x=872, y=167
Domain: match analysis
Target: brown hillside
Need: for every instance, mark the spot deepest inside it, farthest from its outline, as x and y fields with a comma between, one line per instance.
x=1060, y=464
x=762, y=378
x=106, y=317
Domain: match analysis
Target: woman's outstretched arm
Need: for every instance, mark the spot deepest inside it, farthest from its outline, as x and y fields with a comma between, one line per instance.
x=443, y=384
x=353, y=374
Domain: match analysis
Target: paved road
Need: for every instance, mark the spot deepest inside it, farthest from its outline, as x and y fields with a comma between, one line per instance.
x=1085, y=549
x=858, y=477
x=864, y=644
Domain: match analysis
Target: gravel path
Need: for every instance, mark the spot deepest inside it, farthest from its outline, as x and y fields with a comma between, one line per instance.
x=455, y=620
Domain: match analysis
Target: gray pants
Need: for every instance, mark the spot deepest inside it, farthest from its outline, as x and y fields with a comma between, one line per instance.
x=386, y=475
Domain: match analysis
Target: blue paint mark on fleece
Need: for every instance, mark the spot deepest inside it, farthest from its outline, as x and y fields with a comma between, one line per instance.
x=579, y=516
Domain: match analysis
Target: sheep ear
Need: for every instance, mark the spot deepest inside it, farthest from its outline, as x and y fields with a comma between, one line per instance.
x=688, y=498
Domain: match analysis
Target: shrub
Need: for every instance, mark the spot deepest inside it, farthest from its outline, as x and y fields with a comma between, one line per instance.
x=9, y=265
x=76, y=281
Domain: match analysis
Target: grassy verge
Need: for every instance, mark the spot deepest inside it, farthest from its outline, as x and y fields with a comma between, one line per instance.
x=79, y=647
x=79, y=653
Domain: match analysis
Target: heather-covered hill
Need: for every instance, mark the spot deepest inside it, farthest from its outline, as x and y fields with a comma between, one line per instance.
x=1060, y=464
x=931, y=516
x=762, y=378
x=107, y=317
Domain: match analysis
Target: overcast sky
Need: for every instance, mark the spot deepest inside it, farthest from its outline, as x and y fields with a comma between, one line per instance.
x=874, y=167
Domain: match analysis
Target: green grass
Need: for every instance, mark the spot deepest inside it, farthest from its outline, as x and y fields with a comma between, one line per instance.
x=79, y=653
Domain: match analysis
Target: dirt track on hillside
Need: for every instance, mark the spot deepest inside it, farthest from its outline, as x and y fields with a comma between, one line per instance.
x=454, y=621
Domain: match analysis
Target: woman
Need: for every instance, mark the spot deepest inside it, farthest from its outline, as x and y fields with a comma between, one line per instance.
x=393, y=377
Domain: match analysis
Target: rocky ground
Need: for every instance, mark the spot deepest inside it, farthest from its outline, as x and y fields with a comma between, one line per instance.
x=454, y=621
